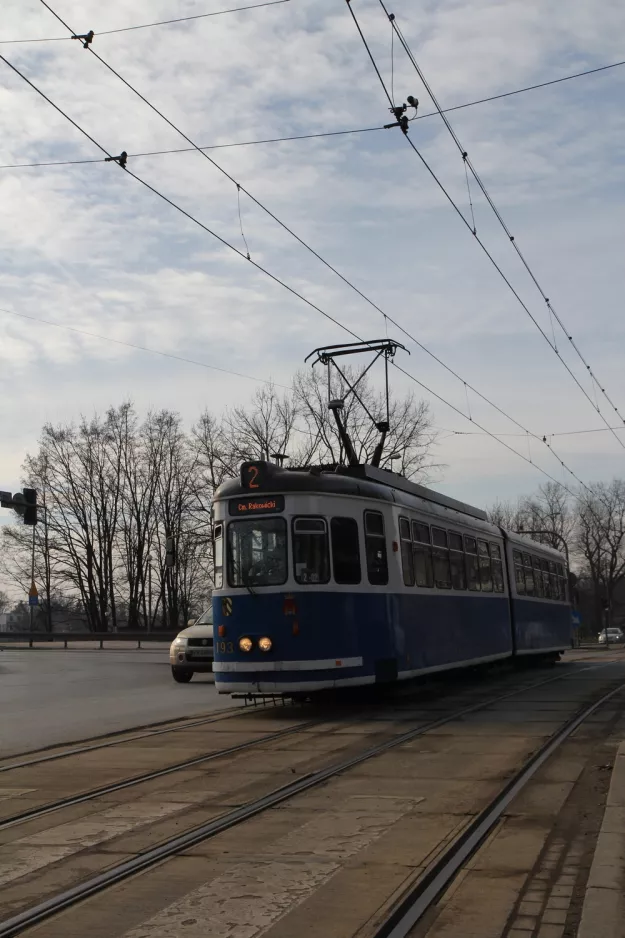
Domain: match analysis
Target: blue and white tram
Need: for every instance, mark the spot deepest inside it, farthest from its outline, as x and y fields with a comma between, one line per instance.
x=358, y=576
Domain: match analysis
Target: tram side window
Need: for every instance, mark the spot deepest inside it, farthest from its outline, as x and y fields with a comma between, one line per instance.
x=553, y=580
x=406, y=551
x=486, y=576
x=345, y=550
x=456, y=556
x=473, y=569
x=529, y=575
x=546, y=581
x=218, y=554
x=495, y=553
x=539, y=586
x=561, y=582
x=440, y=554
x=422, y=553
x=375, y=547
x=311, y=556
x=519, y=576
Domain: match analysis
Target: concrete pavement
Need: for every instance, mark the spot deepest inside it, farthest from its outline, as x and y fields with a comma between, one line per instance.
x=56, y=696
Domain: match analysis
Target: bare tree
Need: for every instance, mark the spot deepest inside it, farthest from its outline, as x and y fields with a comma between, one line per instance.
x=21, y=545
x=5, y=602
x=264, y=428
x=114, y=488
x=216, y=457
x=175, y=507
x=408, y=443
x=508, y=515
x=549, y=516
x=75, y=541
x=600, y=539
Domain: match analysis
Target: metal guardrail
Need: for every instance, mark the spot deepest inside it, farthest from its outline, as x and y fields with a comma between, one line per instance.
x=44, y=638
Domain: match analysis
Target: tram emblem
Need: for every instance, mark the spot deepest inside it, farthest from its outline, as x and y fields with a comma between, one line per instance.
x=226, y=606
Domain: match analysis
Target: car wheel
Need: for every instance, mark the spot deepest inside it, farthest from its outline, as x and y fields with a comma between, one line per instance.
x=181, y=675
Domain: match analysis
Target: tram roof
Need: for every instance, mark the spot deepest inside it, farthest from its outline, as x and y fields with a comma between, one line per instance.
x=365, y=480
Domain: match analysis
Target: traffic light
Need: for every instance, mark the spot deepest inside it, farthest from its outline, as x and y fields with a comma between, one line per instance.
x=170, y=552
x=30, y=510
x=24, y=503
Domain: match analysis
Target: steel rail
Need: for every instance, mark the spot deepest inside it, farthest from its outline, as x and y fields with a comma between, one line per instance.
x=441, y=874
x=51, y=757
x=175, y=845
x=94, y=793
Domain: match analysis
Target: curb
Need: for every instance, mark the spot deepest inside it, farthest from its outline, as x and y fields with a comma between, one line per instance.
x=603, y=913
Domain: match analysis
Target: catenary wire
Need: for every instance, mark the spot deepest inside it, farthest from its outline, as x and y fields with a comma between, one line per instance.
x=152, y=351
x=174, y=205
x=214, y=146
x=142, y=348
x=511, y=238
x=278, y=280
x=548, y=435
x=239, y=374
x=327, y=133
x=305, y=245
x=312, y=250
x=469, y=227
x=126, y=29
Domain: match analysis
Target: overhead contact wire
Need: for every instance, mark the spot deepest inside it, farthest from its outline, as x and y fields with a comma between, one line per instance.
x=127, y=29
x=307, y=246
x=465, y=222
x=327, y=133
x=510, y=236
x=141, y=348
x=264, y=270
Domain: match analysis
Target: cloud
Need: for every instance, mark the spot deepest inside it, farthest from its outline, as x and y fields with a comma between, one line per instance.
x=87, y=246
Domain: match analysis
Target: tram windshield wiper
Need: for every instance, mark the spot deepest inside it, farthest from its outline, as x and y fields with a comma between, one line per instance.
x=246, y=582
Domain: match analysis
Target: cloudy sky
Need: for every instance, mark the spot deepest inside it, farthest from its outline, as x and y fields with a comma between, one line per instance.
x=87, y=247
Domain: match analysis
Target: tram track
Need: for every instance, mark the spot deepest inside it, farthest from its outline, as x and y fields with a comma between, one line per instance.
x=108, y=741
x=182, y=842
x=137, y=780
x=444, y=870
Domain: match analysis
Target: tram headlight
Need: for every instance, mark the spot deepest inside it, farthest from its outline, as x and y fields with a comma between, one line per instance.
x=246, y=644
x=265, y=644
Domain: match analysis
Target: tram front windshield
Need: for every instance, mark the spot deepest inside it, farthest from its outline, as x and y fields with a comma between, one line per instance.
x=257, y=552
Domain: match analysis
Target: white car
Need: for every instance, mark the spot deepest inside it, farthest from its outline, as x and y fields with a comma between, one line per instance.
x=610, y=635
x=192, y=649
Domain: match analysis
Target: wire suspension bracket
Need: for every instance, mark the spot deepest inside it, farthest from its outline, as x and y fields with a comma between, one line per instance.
x=121, y=160
x=86, y=38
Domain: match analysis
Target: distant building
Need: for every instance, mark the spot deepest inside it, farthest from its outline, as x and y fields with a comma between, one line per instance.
x=11, y=621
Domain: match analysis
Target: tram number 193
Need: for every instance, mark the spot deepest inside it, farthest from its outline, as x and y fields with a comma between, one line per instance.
x=226, y=648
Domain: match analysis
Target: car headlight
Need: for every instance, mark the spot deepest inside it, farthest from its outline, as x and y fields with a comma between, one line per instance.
x=265, y=644
x=246, y=644
x=179, y=642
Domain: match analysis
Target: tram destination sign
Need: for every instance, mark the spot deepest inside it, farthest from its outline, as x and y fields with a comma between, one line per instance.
x=256, y=505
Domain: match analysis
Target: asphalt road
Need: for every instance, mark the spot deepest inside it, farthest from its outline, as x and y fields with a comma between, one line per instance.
x=52, y=696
